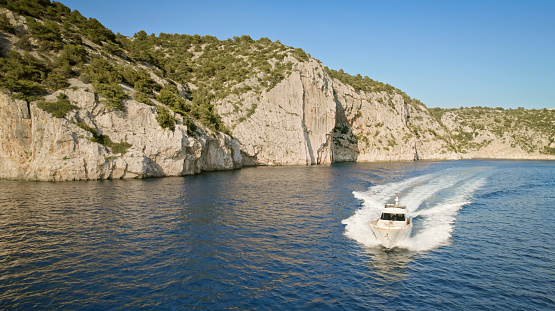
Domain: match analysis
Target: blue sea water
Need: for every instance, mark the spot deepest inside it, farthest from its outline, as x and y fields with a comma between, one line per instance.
x=284, y=238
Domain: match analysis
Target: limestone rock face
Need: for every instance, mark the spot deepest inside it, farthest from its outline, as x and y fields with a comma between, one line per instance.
x=382, y=127
x=36, y=146
x=487, y=139
x=310, y=118
x=307, y=118
x=291, y=124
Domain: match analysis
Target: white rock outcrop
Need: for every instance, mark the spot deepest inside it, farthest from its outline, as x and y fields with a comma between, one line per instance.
x=310, y=118
x=292, y=123
x=36, y=146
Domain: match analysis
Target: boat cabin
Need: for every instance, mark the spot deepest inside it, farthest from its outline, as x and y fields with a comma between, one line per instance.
x=393, y=217
x=394, y=213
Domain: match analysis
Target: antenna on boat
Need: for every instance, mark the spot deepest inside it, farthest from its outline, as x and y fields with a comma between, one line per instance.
x=396, y=200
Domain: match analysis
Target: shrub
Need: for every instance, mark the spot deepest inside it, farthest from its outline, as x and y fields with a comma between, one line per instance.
x=170, y=97
x=191, y=126
x=27, y=7
x=142, y=98
x=24, y=43
x=102, y=71
x=105, y=140
x=96, y=32
x=165, y=119
x=23, y=75
x=549, y=150
x=113, y=94
x=118, y=147
x=139, y=79
x=87, y=128
x=58, y=109
x=112, y=49
x=55, y=81
x=5, y=24
x=273, y=79
x=300, y=55
x=203, y=110
x=72, y=55
x=47, y=32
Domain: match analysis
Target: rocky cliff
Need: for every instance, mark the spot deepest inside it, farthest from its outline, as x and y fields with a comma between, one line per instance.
x=78, y=103
x=496, y=133
x=307, y=118
x=311, y=118
x=37, y=146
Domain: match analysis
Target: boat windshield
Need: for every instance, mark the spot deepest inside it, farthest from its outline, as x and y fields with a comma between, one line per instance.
x=393, y=217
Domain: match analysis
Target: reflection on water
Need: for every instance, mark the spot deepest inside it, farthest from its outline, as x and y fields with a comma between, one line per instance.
x=389, y=265
x=262, y=238
x=190, y=240
x=73, y=237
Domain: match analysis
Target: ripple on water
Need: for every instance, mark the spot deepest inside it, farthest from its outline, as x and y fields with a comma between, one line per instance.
x=283, y=238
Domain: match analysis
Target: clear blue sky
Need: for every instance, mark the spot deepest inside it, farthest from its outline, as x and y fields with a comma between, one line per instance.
x=445, y=53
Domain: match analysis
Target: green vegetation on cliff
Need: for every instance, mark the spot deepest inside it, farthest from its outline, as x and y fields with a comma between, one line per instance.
x=61, y=44
x=212, y=65
x=368, y=85
x=105, y=140
x=45, y=44
x=58, y=109
x=54, y=43
x=522, y=127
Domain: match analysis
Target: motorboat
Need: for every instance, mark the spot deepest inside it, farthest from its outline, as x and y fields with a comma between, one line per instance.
x=393, y=225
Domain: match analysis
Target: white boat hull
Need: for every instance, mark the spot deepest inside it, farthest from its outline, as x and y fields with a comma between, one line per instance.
x=390, y=235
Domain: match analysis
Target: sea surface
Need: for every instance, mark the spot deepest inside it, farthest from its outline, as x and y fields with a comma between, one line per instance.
x=284, y=238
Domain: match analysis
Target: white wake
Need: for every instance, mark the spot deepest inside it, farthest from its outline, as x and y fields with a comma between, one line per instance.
x=433, y=200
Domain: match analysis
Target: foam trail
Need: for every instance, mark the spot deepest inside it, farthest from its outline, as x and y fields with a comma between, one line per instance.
x=438, y=220
x=445, y=193
x=357, y=225
x=376, y=195
x=421, y=193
